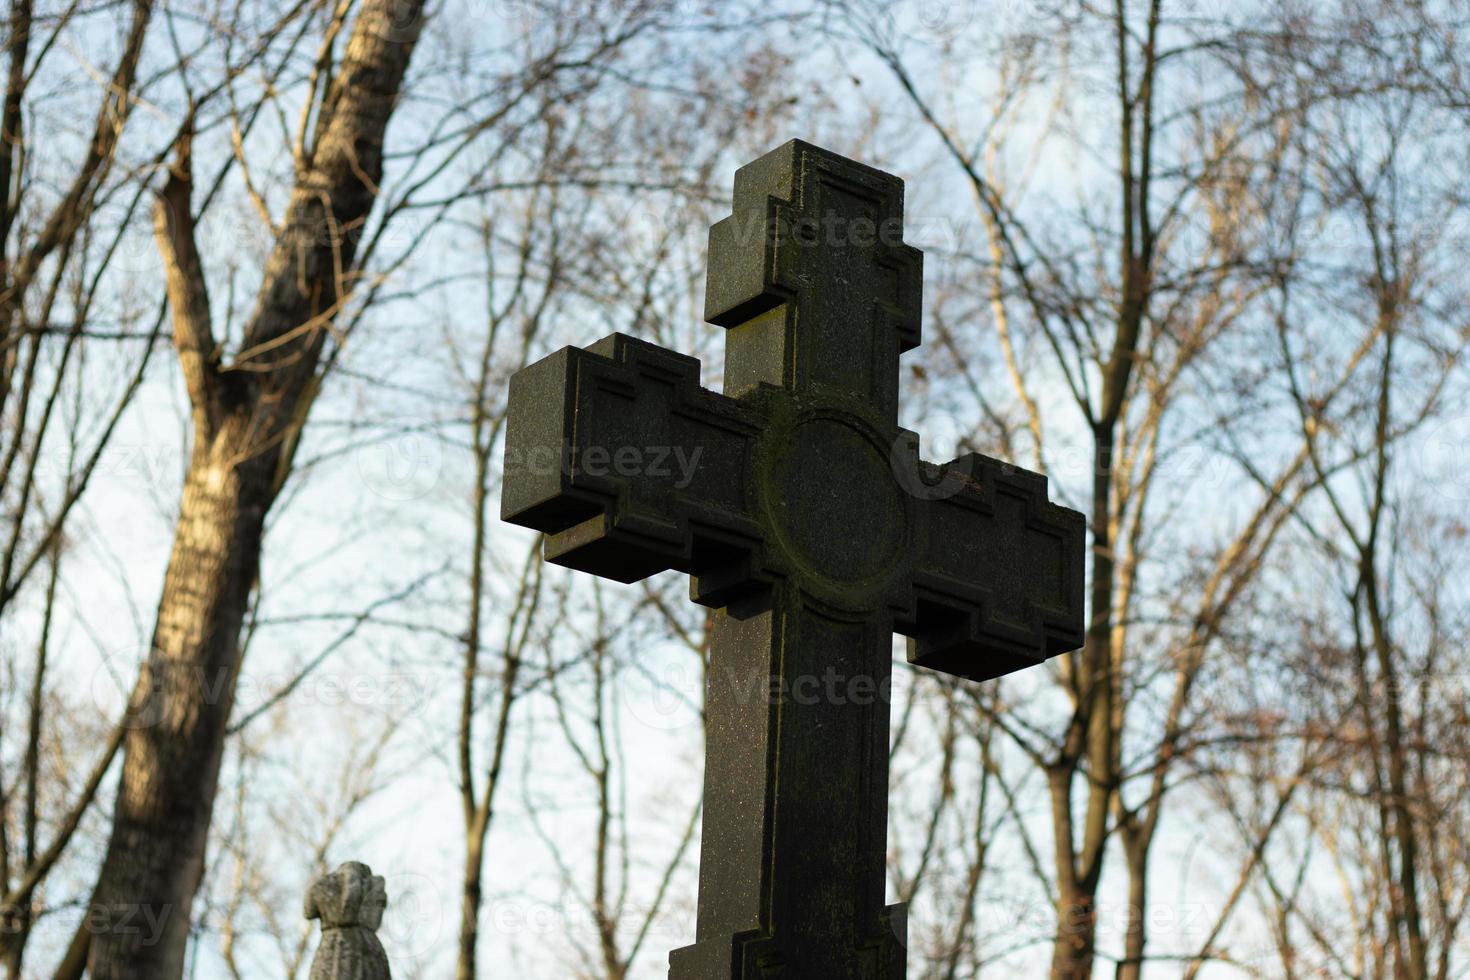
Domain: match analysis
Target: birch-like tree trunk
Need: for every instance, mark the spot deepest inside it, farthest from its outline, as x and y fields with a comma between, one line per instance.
x=246, y=419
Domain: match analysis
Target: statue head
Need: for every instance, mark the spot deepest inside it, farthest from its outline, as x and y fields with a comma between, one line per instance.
x=350, y=896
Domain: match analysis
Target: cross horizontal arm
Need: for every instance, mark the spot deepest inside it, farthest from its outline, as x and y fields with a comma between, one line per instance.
x=999, y=583
x=630, y=467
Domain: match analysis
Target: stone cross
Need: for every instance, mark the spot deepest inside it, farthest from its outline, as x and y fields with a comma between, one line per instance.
x=809, y=523
x=350, y=903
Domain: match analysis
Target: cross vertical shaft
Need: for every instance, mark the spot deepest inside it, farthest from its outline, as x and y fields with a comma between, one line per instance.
x=796, y=786
x=820, y=296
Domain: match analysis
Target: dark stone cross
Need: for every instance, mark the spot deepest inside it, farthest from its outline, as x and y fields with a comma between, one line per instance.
x=808, y=522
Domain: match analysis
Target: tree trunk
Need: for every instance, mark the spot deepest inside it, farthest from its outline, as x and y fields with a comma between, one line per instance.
x=470, y=899
x=246, y=419
x=1072, y=949
x=1093, y=734
x=1135, y=847
x=1407, y=912
x=140, y=914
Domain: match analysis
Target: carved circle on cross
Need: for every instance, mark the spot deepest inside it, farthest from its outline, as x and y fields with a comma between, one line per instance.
x=841, y=524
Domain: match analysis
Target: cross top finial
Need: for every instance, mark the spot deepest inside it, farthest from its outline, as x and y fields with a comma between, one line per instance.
x=812, y=278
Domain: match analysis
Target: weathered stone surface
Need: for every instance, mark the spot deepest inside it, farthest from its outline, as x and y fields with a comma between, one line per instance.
x=350, y=903
x=808, y=521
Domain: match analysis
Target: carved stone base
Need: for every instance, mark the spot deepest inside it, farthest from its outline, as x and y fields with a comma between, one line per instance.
x=753, y=955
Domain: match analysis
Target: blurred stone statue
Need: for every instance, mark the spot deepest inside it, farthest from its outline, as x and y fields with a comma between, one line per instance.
x=350, y=903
